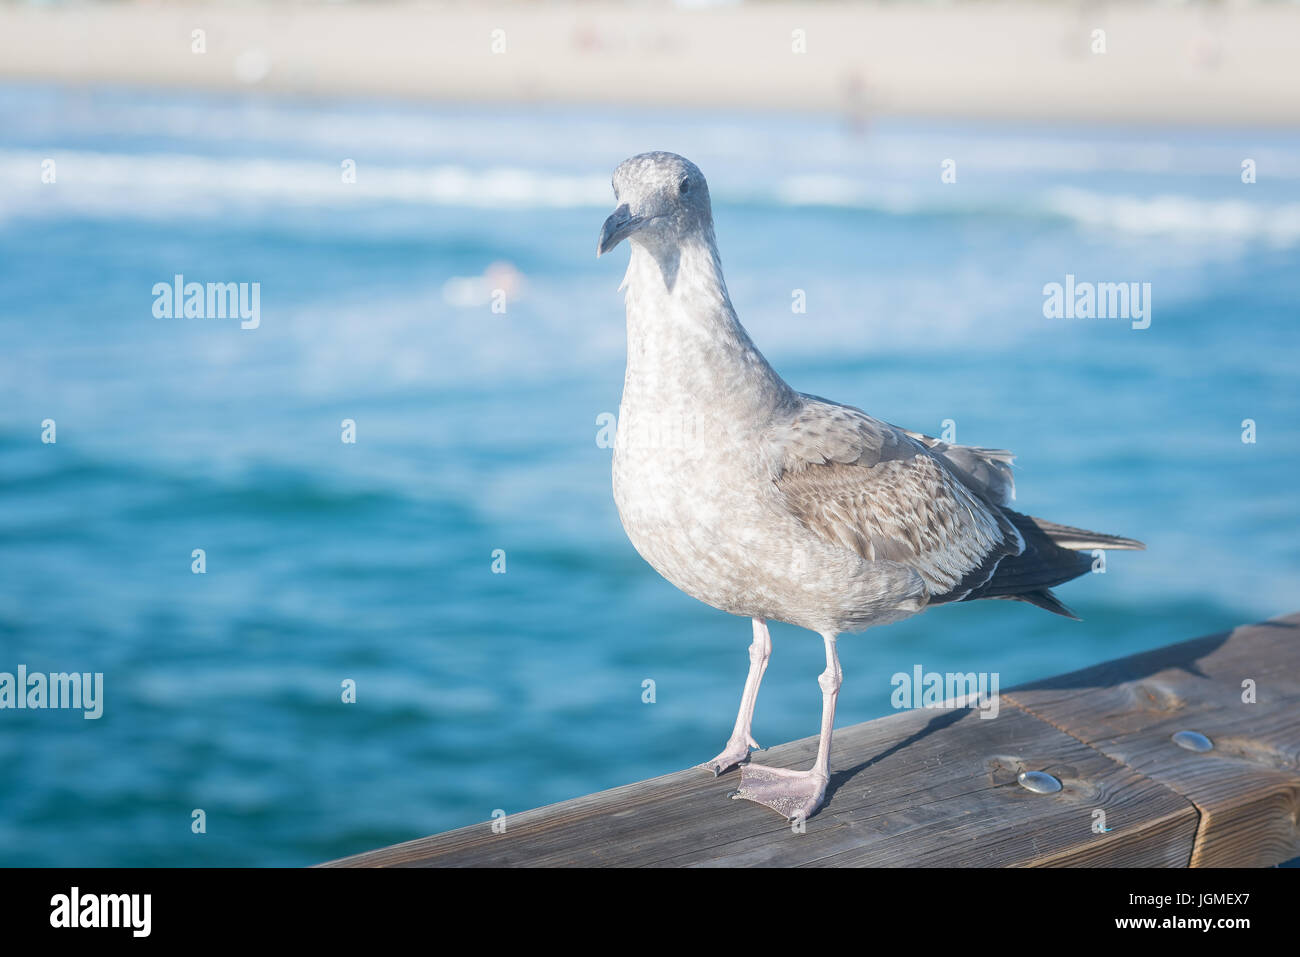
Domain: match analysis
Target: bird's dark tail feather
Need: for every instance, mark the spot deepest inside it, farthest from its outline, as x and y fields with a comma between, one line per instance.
x=1053, y=554
x=1079, y=538
x=1044, y=598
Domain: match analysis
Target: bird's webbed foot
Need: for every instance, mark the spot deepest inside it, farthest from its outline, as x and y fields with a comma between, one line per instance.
x=792, y=794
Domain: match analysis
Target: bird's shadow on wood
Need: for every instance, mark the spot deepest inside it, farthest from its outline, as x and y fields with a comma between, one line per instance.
x=1184, y=656
x=937, y=723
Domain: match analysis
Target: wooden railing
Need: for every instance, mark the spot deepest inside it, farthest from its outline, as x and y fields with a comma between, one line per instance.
x=941, y=787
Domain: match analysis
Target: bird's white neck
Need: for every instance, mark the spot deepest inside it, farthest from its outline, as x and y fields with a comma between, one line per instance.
x=685, y=345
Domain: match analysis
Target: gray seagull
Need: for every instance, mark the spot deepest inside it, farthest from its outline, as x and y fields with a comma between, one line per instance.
x=779, y=506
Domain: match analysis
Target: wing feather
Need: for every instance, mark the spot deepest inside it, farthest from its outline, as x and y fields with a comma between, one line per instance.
x=988, y=470
x=882, y=493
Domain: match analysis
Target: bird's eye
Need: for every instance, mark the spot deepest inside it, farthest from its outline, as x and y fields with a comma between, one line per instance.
x=685, y=185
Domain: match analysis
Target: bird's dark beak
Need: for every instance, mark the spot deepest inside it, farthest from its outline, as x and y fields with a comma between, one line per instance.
x=619, y=226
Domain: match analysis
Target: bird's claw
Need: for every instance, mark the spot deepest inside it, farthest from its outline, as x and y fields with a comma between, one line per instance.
x=733, y=755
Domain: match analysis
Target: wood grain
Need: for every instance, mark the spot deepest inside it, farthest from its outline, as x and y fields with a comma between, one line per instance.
x=1247, y=788
x=939, y=788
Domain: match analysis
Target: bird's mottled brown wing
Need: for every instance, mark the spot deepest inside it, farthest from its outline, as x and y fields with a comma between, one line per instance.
x=988, y=471
x=874, y=489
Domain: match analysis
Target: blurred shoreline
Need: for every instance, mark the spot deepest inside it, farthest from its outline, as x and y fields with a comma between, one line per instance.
x=1020, y=61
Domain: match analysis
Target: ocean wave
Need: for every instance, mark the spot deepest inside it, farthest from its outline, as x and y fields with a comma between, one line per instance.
x=160, y=488
x=545, y=137
x=179, y=184
x=1166, y=214
x=1180, y=215
x=170, y=185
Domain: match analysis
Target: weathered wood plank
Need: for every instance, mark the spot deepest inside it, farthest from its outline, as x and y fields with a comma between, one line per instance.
x=939, y=787
x=920, y=788
x=1247, y=788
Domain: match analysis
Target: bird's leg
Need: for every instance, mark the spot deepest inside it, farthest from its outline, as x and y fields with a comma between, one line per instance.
x=797, y=794
x=737, y=749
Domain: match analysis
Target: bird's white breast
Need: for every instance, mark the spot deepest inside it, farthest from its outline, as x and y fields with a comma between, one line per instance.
x=692, y=486
x=693, y=464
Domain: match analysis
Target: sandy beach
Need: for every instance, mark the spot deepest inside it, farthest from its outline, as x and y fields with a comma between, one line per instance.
x=1132, y=64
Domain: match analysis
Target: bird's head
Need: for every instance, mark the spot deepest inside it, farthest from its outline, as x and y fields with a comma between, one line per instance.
x=660, y=197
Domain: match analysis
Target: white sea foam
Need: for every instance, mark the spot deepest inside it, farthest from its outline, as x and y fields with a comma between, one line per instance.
x=1180, y=216
x=159, y=184
x=1166, y=214
x=167, y=185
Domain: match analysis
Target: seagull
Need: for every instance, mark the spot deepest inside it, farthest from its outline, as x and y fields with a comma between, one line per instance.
x=774, y=505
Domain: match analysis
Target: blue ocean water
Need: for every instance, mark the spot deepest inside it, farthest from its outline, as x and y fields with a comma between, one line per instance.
x=478, y=430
